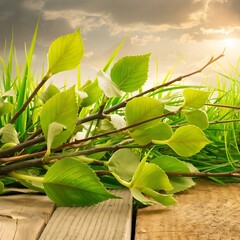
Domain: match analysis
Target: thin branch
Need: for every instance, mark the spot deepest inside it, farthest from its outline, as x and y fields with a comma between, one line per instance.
x=24, y=106
x=21, y=146
x=223, y=106
x=114, y=131
x=95, y=150
x=40, y=161
x=22, y=157
x=35, y=134
x=211, y=123
x=234, y=173
x=180, y=78
x=20, y=165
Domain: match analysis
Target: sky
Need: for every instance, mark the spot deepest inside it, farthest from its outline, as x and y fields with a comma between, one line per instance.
x=182, y=32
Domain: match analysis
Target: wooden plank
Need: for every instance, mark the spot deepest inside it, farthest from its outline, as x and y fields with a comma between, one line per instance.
x=23, y=217
x=207, y=211
x=106, y=221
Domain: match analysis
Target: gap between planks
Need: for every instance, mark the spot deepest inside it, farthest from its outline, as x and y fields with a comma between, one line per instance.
x=24, y=216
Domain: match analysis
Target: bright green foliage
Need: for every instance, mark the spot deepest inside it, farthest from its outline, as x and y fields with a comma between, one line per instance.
x=149, y=178
x=195, y=98
x=61, y=108
x=93, y=93
x=130, y=73
x=8, y=134
x=49, y=92
x=156, y=198
x=186, y=141
x=141, y=109
x=65, y=53
x=152, y=177
x=171, y=164
x=72, y=183
x=124, y=163
x=160, y=131
x=109, y=123
x=198, y=118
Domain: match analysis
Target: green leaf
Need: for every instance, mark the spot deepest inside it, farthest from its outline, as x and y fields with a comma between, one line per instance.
x=49, y=92
x=61, y=108
x=130, y=73
x=109, y=88
x=124, y=163
x=198, y=118
x=195, y=98
x=137, y=194
x=5, y=107
x=141, y=109
x=54, y=129
x=69, y=182
x=156, y=198
x=172, y=164
x=93, y=91
x=164, y=199
x=161, y=131
x=65, y=53
x=8, y=134
x=186, y=141
x=152, y=177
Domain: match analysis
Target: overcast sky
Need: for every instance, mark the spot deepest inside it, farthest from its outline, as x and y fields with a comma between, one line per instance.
x=170, y=29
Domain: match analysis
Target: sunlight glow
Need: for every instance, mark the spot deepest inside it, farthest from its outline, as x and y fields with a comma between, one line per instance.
x=230, y=42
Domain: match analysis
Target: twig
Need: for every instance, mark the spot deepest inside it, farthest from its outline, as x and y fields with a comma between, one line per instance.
x=180, y=78
x=45, y=78
x=223, y=106
x=37, y=162
x=21, y=157
x=234, y=173
x=40, y=161
x=21, y=146
x=114, y=131
x=95, y=150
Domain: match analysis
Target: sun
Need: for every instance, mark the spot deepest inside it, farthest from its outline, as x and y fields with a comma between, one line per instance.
x=230, y=42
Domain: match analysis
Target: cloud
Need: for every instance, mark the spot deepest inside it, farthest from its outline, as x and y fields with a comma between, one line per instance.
x=223, y=13
x=21, y=17
x=221, y=21
x=155, y=13
x=144, y=40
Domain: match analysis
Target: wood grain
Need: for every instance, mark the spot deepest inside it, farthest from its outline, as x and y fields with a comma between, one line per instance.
x=109, y=220
x=207, y=211
x=23, y=217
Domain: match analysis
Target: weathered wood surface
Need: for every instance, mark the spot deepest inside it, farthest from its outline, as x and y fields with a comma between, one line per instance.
x=23, y=217
x=110, y=220
x=207, y=211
